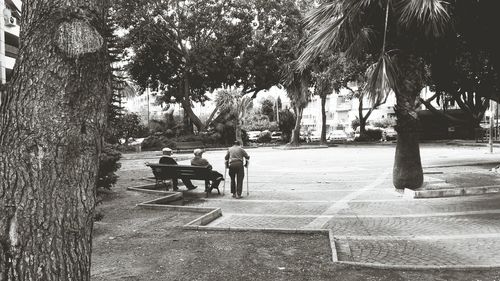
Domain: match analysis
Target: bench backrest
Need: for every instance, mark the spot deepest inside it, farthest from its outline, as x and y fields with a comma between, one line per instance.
x=165, y=171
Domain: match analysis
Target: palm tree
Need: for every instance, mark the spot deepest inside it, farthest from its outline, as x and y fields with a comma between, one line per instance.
x=297, y=85
x=399, y=33
x=236, y=104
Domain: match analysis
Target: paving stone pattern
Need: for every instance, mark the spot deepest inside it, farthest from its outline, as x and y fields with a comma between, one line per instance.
x=435, y=253
x=349, y=190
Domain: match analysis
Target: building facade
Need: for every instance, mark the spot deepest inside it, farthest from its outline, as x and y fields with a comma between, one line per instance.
x=342, y=109
x=9, y=37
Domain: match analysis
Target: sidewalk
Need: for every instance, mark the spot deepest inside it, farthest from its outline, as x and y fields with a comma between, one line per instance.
x=347, y=191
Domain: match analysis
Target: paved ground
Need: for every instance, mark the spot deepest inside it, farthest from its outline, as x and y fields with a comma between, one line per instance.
x=348, y=189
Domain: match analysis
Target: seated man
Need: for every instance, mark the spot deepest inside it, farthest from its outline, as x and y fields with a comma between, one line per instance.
x=215, y=176
x=167, y=159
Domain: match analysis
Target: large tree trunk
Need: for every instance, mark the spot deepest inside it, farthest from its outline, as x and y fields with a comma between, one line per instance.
x=362, y=120
x=51, y=122
x=188, y=111
x=407, y=171
x=323, y=120
x=237, y=131
x=295, y=140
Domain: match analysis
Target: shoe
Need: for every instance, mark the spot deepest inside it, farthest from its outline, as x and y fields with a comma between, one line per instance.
x=192, y=187
x=234, y=195
x=238, y=196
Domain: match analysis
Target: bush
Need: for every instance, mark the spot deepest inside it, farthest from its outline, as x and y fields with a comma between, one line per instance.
x=157, y=142
x=108, y=165
x=244, y=137
x=265, y=137
x=286, y=124
x=370, y=135
x=189, y=138
x=125, y=148
x=355, y=123
x=384, y=122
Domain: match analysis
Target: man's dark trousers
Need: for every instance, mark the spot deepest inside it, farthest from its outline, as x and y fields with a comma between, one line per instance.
x=236, y=170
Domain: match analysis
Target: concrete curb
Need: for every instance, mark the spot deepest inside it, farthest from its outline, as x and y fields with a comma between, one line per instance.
x=481, y=144
x=262, y=229
x=418, y=267
x=211, y=214
x=333, y=247
x=452, y=192
x=205, y=219
x=462, y=164
x=301, y=147
x=149, y=191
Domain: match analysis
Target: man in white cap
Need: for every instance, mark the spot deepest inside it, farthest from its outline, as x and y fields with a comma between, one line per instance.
x=167, y=159
x=215, y=176
x=236, y=159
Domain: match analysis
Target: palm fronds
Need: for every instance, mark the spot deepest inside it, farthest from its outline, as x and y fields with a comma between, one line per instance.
x=382, y=77
x=431, y=15
x=336, y=25
x=360, y=42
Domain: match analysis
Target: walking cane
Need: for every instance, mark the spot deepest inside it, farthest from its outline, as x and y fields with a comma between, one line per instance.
x=248, y=175
x=224, y=186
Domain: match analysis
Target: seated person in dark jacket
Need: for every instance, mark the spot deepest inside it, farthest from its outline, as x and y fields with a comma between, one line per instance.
x=215, y=176
x=167, y=159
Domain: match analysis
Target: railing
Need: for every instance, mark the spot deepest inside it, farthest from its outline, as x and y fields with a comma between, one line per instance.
x=483, y=134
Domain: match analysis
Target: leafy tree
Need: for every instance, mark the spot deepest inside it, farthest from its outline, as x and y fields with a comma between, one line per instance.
x=267, y=108
x=259, y=122
x=130, y=126
x=400, y=34
x=186, y=48
x=296, y=82
x=286, y=123
x=297, y=86
x=465, y=75
x=52, y=120
x=279, y=105
x=108, y=165
x=232, y=102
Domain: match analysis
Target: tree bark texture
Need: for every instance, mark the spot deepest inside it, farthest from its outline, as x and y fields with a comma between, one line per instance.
x=407, y=171
x=295, y=140
x=323, y=120
x=51, y=122
x=186, y=105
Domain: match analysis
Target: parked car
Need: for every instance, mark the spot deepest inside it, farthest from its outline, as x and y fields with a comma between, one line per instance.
x=337, y=135
x=253, y=135
x=276, y=136
x=303, y=136
x=390, y=133
x=315, y=136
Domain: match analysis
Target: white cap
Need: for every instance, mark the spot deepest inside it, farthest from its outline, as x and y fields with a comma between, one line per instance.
x=198, y=151
x=167, y=149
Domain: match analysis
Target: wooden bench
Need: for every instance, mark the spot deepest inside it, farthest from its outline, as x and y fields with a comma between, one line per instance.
x=189, y=145
x=163, y=172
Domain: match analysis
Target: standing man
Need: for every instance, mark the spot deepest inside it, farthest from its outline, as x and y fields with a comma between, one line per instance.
x=169, y=160
x=215, y=176
x=234, y=161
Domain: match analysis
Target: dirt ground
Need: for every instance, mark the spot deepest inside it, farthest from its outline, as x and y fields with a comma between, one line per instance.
x=137, y=244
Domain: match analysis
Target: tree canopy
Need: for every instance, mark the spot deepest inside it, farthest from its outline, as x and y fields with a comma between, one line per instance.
x=187, y=48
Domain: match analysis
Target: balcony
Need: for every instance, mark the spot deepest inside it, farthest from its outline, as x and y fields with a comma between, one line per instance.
x=9, y=63
x=11, y=51
x=14, y=30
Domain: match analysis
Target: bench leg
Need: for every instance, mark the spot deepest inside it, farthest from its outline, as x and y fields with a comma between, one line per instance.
x=208, y=187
